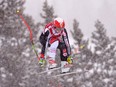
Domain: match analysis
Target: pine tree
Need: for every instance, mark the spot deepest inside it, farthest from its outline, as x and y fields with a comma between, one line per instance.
x=10, y=49
x=15, y=47
x=85, y=55
x=48, y=15
x=77, y=33
x=100, y=39
x=1, y=15
x=104, y=53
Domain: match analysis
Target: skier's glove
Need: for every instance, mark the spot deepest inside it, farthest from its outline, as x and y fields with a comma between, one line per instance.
x=69, y=60
x=42, y=62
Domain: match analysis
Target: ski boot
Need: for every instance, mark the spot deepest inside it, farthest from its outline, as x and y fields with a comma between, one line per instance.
x=52, y=64
x=65, y=67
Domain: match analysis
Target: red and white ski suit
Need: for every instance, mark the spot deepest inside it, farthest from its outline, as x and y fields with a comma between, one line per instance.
x=52, y=39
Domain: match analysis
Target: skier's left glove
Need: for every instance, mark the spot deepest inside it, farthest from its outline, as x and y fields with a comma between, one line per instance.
x=69, y=60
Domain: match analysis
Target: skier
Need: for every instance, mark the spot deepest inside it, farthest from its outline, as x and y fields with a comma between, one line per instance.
x=55, y=36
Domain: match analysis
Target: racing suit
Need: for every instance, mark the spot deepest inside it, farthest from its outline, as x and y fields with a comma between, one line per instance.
x=52, y=39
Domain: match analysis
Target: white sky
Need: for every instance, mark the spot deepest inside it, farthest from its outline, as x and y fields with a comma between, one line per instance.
x=85, y=11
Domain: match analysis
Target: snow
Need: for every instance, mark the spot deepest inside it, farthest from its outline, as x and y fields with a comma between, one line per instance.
x=78, y=70
x=106, y=80
x=38, y=50
x=22, y=84
x=98, y=52
x=88, y=74
x=3, y=75
x=49, y=72
x=89, y=84
x=70, y=80
x=22, y=40
x=0, y=43
x=91, y=71
x=110, y=60
x=25, y=54
x=1, y=38
x=11, y=74
x=14, y=44
x=99, y=70
x=2, y=69
x=95, y=65
x=110, y=71
x=91, y=45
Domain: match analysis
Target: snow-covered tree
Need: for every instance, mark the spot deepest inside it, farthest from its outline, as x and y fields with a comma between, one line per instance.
x=103, y=56
x=83, y=56
x=10, y=49
x=100, y=40
x=76, y=32
x=16, y=54
x=48, y=14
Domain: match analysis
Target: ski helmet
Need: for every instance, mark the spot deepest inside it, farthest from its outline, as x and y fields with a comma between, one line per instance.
x=59, y=23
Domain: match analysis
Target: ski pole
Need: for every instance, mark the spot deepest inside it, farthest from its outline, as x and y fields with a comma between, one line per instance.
x=30, y=30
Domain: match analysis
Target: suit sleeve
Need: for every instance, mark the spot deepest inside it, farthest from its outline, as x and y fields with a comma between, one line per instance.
x=66, y=40
x=43, y=39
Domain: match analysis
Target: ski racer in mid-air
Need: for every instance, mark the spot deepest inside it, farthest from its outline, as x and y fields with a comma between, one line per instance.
x=55, y=36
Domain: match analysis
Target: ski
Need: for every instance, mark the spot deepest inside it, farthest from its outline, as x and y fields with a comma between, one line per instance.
x=51, y=70
x=64, y=74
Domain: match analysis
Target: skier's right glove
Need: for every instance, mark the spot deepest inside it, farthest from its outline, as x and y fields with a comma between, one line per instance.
x=69, y=60
x=42, y=61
